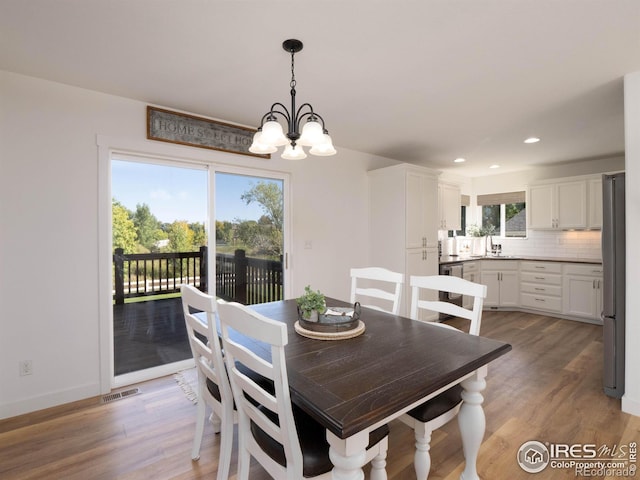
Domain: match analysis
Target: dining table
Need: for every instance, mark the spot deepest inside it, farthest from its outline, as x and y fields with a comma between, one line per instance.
x=354, y=385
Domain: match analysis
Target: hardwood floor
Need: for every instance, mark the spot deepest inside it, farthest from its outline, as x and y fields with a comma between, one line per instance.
x=548, y=388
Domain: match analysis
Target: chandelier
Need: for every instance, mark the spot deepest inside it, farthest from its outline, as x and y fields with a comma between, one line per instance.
x=270, y=134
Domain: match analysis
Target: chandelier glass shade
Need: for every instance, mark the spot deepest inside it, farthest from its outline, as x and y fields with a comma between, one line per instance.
x=304, y=127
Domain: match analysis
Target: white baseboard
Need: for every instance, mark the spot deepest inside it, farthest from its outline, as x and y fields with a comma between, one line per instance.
x=630, y=405
x=50, y=399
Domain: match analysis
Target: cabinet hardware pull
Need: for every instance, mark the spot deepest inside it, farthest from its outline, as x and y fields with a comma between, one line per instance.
x=539, y=289
x=539, y=278
x=540, y=268
x=540, y=300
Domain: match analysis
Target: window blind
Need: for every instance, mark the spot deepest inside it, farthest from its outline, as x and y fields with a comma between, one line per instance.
x=500, y=198
x=465, y=200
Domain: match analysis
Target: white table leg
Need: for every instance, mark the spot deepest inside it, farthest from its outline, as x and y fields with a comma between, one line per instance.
x=471, y=422
x=348, y=456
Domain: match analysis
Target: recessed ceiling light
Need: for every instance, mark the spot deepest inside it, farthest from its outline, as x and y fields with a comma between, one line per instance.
x=494, y=166
x=532, y=140
x=460, y=160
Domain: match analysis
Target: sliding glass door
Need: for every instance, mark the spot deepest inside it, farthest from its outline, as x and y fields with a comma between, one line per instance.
x=160, y=240
x=250, y=250
x=221, y=229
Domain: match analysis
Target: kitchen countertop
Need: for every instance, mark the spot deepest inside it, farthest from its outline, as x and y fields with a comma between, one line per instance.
x=469, y=258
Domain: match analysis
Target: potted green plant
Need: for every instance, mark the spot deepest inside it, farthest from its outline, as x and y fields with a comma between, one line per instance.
x=480, y=235
x=310, y=304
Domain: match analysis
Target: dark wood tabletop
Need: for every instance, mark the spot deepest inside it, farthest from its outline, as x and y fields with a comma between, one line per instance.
x=350, y=385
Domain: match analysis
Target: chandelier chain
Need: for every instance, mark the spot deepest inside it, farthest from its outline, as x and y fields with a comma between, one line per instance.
x=292, y=84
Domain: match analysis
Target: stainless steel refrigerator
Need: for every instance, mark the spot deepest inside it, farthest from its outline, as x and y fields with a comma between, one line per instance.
x=613, y=263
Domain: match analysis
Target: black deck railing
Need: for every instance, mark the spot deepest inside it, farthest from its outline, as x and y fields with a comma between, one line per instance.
x=248, y=280
x=238, y=278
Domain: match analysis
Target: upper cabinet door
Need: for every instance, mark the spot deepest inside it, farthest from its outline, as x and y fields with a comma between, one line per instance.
x=557, y=206
x=595, y=203
x=540, y=206
x=415, y=223
x=421, y=196
x=571, y=205
x=449, y=207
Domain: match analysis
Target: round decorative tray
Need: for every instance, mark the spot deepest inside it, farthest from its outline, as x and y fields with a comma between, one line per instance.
x=336, y=323
x=343, y=335
x=334, y=320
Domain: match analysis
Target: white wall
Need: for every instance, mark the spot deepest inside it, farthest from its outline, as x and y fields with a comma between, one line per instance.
x=49, y=230
x=631, y=399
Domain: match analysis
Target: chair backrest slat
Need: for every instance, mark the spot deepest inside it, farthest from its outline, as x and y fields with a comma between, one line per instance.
x=375, y=278
x=448, y=284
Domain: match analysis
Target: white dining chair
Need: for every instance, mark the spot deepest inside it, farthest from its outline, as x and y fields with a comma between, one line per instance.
x=214, y=389
x=285, y=440
x=371, y=283
x=438, y=411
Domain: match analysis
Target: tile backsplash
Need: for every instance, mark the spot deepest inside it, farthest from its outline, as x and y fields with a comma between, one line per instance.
x=541, y=243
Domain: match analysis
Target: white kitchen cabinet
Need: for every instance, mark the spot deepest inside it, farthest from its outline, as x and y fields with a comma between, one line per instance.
x=471, y=272
x=420, y=262
x=403, y=228
x=561, y=205
x=449, y=207
x=541, y=286
x=501, y=279
x=582, y=291
x=595, y=202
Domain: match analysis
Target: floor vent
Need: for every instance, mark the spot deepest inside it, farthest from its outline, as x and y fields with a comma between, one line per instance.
x=112, y=397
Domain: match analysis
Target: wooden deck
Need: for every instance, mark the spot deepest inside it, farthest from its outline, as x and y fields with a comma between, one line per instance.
x=148, y=334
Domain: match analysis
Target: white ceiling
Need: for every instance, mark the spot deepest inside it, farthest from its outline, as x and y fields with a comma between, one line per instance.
x=418, y=81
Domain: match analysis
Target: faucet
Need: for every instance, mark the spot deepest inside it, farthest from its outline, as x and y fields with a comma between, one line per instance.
x=488, y=245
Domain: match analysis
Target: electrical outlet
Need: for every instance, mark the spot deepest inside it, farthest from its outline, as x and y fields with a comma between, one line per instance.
x=26, y=367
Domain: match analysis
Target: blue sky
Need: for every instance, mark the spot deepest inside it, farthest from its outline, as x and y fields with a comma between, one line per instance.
x=177, y=193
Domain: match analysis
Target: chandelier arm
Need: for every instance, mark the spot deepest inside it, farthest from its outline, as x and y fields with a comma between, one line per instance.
x=313, y=114
x=271, y=114
x=284, y=112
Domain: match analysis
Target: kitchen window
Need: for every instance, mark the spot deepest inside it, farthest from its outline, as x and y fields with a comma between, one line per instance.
x=506, y=212
x=465, y=201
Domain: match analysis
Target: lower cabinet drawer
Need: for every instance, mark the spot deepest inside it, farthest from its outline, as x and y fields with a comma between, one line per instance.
x=541, y=302
x=541, y=289
x=548, y=278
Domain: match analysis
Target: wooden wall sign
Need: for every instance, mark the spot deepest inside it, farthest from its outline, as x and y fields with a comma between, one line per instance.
x=174, y=127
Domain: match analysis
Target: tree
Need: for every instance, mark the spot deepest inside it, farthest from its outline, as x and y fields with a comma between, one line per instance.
x=224, y=232
x=512, y=209
x=147, y=226
x=269, y=196
x=199, y=235
x=266, y=235
x=245, y=231
x=124, y=230
x=180, y=237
